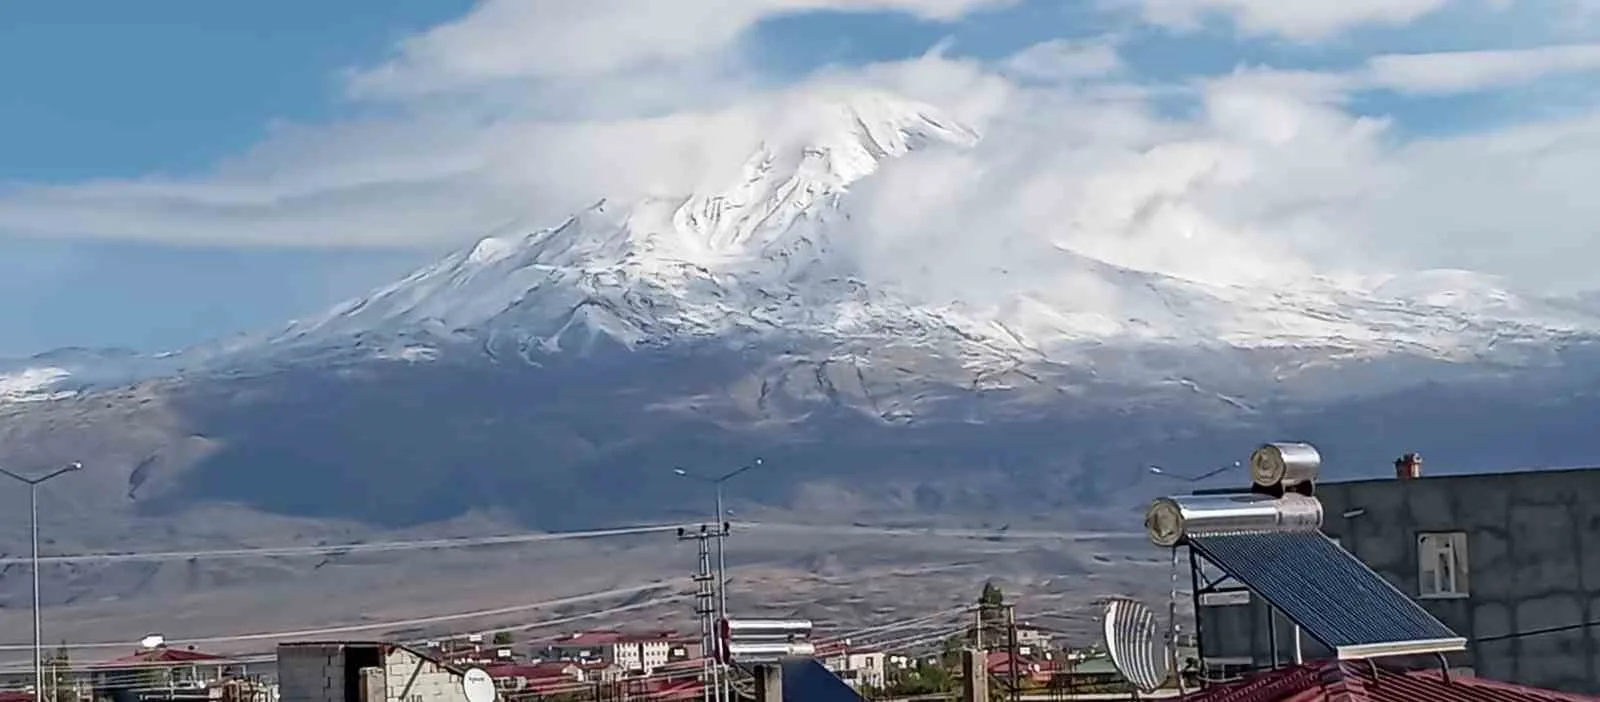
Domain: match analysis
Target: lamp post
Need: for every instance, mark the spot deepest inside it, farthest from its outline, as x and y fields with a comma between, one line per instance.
x=33, y=529
x=722, y=563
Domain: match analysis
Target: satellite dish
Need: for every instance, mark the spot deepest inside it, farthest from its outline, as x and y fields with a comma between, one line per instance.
x=477, y=685
x=1137, y=647
x=152, y=641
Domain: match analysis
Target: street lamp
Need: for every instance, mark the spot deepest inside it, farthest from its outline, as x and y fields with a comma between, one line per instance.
x=1163, y=472
x=33, y=528
x=722, y=563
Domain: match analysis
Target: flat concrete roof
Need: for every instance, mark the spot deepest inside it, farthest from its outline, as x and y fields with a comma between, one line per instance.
x=1426, y=477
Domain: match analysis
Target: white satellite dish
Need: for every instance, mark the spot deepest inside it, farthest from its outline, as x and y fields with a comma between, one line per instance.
x=477, y=685
x=152, y=641
x=1137, y=647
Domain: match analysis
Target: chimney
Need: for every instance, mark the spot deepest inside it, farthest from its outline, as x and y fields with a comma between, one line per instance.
x=1408, y=467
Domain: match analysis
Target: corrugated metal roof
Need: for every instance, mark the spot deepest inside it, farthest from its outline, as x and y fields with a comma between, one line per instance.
x=1352, y=681
x=1330, y=594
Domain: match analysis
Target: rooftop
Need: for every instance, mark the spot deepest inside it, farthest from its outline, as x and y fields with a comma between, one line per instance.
x=161, y=656
x=1429, y=475
x=1355, y=681
x=604, y=637
x=553, y=669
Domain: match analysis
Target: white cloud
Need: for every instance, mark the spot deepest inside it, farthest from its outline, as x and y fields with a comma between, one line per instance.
x=562, y=39
x=1272, y=177
x=1464, y=71
x=1272, y=181
x=1303, y=20
x=1066, y=59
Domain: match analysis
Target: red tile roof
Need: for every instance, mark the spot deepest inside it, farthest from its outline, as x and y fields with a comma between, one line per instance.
x=1355, y=681
x=662, y=690
x=531, y=671
x=161, y=657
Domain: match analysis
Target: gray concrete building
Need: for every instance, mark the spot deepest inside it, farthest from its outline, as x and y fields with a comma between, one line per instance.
x=1510, y=561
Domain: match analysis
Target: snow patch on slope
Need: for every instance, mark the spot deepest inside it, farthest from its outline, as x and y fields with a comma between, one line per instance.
x=33, y=385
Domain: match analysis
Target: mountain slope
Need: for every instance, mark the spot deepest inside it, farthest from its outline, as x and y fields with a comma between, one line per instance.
x=556, y=374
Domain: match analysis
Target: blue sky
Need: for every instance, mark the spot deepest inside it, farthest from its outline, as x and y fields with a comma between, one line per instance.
x=174, y=171
x=172, y=87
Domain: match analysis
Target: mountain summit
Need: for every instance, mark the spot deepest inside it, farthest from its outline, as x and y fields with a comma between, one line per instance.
x=535, y=370
x=754, y=255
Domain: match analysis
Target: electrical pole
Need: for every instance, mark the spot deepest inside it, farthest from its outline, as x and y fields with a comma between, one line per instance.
x=722, y=549
x=33, y=530
x=977, y=627
x=722, y=529
x=705, y=607
x=1011, y=645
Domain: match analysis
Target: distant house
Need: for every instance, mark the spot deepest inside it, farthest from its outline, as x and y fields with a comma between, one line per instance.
x=1032, y=641
x=1088, y=674
x=171, y=673
x=856, y=666
x=1000, y=664
x=639, y=653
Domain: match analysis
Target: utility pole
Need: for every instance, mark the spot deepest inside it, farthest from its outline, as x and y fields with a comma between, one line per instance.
x=977, y=627
x=974, y=675
x=1011, y=651
x=33, y=530
x=722, y=522
x=705, y=607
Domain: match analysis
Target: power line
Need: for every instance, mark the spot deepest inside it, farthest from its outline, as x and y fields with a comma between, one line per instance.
x=1538, y=632
x=393, y=624
x=516, y=539
x=269, y=657
x=341, y=549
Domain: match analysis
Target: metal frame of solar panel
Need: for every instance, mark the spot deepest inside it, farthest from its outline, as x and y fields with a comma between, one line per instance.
x=1327, y=593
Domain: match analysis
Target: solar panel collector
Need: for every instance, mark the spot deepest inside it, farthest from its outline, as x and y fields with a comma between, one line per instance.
x=1329, y=594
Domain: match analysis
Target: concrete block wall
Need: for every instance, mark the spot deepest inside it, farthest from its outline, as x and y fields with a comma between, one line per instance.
x=311, y=673
x=428, y=681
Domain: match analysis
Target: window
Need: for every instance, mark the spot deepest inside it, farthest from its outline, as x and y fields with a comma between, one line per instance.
x=1442, y=565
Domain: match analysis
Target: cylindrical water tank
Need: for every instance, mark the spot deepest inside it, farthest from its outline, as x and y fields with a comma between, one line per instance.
x=1172, y=520
x=1285, y=464
x=746, y=629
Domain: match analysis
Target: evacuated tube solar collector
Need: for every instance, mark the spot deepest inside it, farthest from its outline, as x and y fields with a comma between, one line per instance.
x=1270, y=541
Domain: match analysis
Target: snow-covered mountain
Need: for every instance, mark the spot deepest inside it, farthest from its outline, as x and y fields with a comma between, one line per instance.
x=766, y=258
x=742, y=317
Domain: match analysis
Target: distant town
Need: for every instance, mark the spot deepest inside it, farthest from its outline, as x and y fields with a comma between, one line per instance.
x=1297, y=588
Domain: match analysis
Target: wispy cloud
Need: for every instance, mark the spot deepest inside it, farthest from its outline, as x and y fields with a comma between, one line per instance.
x=1261, y=171
x=1461, y=71
x=1301, y=20
x=557, y=39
